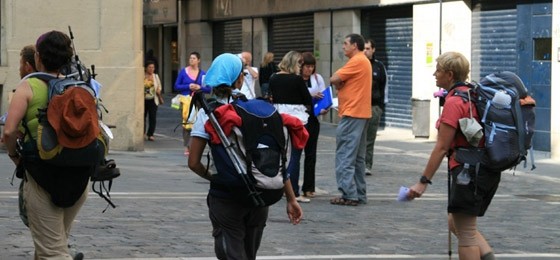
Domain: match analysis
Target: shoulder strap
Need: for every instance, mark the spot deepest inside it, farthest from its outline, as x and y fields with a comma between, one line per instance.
x=190, y=110
x=46, y=77
x=197, y=76
x=40, y=75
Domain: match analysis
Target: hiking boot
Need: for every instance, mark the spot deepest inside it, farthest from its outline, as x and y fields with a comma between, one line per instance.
x=74, y=253
x=78, y=256
x=106, y=172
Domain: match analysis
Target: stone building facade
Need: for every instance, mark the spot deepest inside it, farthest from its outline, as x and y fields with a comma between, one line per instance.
x=113, y=35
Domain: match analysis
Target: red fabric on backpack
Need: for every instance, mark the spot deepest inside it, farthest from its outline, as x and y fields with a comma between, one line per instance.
x=227, y=118
x=298, y=133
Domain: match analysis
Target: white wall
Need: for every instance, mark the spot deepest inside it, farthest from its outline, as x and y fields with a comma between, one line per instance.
x=455, y=36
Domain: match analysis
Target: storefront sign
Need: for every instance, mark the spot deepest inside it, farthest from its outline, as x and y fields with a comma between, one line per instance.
x=160, y=12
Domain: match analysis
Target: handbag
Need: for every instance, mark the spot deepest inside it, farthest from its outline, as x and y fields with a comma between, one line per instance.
x=189, y=114
x=160, y=99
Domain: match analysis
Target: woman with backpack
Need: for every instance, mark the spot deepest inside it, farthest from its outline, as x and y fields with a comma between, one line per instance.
x=53, y=195
x=237, y=227
x=470, y=194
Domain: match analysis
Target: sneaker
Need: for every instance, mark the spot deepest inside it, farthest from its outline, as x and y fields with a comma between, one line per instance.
x=302, y=199
x=368, y=172
x=309, y=194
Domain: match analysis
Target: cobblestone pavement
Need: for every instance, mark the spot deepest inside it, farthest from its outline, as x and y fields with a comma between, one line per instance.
x=162, y=211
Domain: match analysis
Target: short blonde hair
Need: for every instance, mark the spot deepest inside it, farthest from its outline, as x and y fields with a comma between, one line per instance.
x=291, y=62
x=456, y=63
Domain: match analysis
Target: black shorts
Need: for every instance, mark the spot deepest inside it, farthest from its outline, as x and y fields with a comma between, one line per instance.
x=473, y=199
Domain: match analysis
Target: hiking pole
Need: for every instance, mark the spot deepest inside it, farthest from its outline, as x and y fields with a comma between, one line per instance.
x=253, y=193
x=449, y=252
x=93, y=74
x=78, y=63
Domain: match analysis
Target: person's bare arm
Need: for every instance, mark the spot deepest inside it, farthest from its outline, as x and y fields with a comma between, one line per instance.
x=336, y=81
x=254, y=73
x=446, y=134
x=16, y=113
x=295, y=213
x=195, y=157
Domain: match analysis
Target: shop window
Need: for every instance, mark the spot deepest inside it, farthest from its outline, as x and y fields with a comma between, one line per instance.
x=543, y=49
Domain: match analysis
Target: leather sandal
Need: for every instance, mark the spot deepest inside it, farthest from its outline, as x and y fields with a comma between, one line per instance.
x=344, y=202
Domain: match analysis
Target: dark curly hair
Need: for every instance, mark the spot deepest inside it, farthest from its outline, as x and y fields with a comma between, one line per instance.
x=28, y=55
x=55, y=50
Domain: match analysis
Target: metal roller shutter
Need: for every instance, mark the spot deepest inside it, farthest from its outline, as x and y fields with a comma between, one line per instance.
x=391, y=28
x=494, y=37
x=226, y=37
x=504, y=36
x=290, y=33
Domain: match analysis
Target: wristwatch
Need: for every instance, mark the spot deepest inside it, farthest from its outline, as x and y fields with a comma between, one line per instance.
x=425, y=180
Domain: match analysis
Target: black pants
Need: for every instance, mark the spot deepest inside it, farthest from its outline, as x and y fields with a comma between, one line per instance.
x=313, y=127
x=150, y=110
x=237, y=231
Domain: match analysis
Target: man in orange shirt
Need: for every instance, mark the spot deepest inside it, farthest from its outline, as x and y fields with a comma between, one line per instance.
x=353, y=82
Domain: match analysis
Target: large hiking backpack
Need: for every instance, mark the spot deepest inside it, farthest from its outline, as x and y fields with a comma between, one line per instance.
x=70, y=95
x=261, y=143
x=67, y=98
x=507, y=115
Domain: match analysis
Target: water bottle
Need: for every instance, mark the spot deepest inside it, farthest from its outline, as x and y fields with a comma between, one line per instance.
x=501, y=100
x=464, y=178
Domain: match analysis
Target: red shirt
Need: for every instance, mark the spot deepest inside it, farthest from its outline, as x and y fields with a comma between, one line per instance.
x=455, y=108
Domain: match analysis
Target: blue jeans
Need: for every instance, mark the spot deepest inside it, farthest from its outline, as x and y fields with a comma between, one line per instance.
x=351, y=136
x=293, y=169
x=264, y=89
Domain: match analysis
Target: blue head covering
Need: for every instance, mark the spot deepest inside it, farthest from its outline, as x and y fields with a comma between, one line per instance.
x=225, y=69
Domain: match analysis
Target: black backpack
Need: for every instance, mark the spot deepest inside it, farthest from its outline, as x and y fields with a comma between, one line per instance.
x=508, y=125
x=78, y=82
x=260, y=143
x=46, y=146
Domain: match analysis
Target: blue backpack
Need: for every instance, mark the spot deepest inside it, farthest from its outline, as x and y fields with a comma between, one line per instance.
x=508, y=125
x=261, y=143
